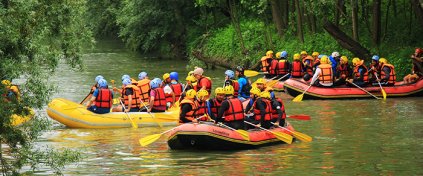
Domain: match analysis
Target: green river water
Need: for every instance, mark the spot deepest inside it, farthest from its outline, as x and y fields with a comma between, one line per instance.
x=350, y=137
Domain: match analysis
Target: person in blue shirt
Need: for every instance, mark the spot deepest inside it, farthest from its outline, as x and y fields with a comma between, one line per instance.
x=103, y=98
x=244, y=84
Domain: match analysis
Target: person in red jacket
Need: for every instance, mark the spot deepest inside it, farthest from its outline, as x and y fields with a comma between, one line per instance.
x=103, y=98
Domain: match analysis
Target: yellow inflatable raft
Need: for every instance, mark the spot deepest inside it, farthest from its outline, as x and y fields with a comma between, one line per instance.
x=75, y=115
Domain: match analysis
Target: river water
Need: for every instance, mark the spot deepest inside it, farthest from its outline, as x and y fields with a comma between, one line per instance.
x=350, y=137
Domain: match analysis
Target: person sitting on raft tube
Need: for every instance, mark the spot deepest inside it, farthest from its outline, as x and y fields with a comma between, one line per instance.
x=417, y=69
x=343, y=72
x=230, y=80
x=214, y=104
x=261, y=84
x=201, y=111
x=280, y=66
x=265, y=97
x=12, y=92
x=144, y=86
x=202, y=82
x=188, y=107
x=177, y=88
x=257, y=109
x=360, y=73
x=308, y=67
x=323, y=77
x=297, y=67
x=130, y=97
x=93, y=88
x=265, y=61
x=244, y=84
x=231, y=112
x=103, y=98
x=387, y=74
x=157, y=97
x=316, y=60
x=374, y=69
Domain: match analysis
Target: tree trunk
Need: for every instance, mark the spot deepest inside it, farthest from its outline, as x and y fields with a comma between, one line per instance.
x=235, y=23
x=376, y=22
x=354, y=16
x=299, y=22
x=277, y=16
x=285, y=13
x=417, y=8
x=394, y=6
x=345, y=41
x=385, y=31
x=365, y=14
x=337, y=12
x=178, y=40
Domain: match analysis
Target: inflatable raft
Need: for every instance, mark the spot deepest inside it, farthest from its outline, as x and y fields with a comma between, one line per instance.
x=212, y=137
x=295, y=87
x=75, y=115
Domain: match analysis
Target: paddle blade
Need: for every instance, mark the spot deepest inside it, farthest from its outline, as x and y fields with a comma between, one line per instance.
x=115, y=101
x=384, y=94
x=134, y=125
x=302, y=137
x=149, y=139
x=300, y=117
x=298, y=98
x=283, y=137
x=250, y=73
x=244, y=134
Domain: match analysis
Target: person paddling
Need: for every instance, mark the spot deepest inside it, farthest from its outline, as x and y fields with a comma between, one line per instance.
x=157, y=97
x=244, y=84
x=130, y=97
x=214, y=104
x=187, y=107
x=202, y=96
x=102, y=98
x=93, y=88
x=231, y=112
x=144, y=86
x=203, y=82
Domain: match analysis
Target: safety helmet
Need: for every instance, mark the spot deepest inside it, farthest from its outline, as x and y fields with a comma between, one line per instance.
x=284, y=54
x=165, y=76
x=265, y=94
x=125, y=77
x=174, y=76
x=219, y=90
x=190, y=73
x=198, y=71
x=6, y=82
x=296, y=56
x=142, y=75
x=314, y=54
x=303, y=52
x=229, y=90
x=355, y=61
x=383, y=60
x=269, y=53
x=190, y=78
x=320, y=56
x=260, y=81
x=240, y=69
x=155, y=83
x=255, y=91
x=202, y=93
x=97, y=78
x=324, y=59
x=102, y=83
x=375, y=58
x=335, y=54
x=230, y=74
x=344, y=59
x=126, y=82
x=191, y=93
x=278, y=55
x=419, y=50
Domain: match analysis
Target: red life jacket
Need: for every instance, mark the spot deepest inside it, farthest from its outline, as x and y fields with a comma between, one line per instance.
x=103, y=98
x=144, y=86
x=309, y=68
x=257, y=114
x=201, y=110
x=208, y=85
x=297, y=69
x=273, y=67
x=326, y=75
x=216, y=106
x=189, y=115
x=235, y=84
x=275, y=112
x=343, y=70
x=177, y=90
x=392, y=75
x=135, y=96
x=159, y=99
x=235, y=111
x=357, y=74
x=282, y=68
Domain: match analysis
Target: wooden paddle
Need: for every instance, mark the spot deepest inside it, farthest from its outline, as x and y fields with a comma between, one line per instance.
x=381, y=89
x=134, y=125
x=281, y=136
x=364, y=90
x=244, y=134
x=301, y=136
x=252, y=73
x=300, y=117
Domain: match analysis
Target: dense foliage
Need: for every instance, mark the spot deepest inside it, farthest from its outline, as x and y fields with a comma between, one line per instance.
x=34, y=36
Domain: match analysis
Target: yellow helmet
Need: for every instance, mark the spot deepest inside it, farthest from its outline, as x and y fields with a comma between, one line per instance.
x=190, y=73
x=383, y=60
x=6, y=82
x=355, y=60
x=296, y=56
x=202, y=93
x=315, y=54
x=219, y=90
x=269, y=53
x=191, y=93
x=344, y=59
x=303, y=52
x=229, y=90
x=165, y=76
x=191, y=78
x=278, y=55
x=265, y=94
x=255, y=91
x=260, y=81
x=324, y=59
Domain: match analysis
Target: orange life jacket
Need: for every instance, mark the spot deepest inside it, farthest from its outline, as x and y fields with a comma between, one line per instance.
x=235, y=110
x=257, y=114
x=216, y=106
x=326, y=74
x=297, y=69
x=135, y=96
x=144, y=86
x=208, y=86
x=189, y=115
x=265, y=64
x=201, y=110
x=275, y=112
x=103, y=98
x=392, y=75
x=343, y=70
x=159, y=99
x=309, y=68
x=177, y=90
x=357, y=74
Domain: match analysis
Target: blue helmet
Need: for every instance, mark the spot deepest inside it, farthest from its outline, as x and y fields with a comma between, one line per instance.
x=102, y=83
x=284, y=54
x=125, y=77
x=375, y=58
x=126, y=81
x=230, y=74
x=174, y=76
x=155, y=83
x=320, y=56
x=98, y=78
x=142, y=75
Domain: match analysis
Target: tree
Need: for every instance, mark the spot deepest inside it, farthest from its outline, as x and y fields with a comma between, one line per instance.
x=34, y=36
x=376, y=27
x=354, y=19
x=299, y=22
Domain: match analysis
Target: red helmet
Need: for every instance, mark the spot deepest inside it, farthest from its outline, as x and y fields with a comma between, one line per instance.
x=419, y=50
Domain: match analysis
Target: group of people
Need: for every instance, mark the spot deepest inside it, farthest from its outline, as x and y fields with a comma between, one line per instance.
x=335, y=70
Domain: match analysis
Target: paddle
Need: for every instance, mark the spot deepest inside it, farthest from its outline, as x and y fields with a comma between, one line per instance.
x=134, y=125
x=160, y=125
x=244, y=134
x=115, y=100
x=273, y=82
x=364, y=90
x=381, y=89
x=301, y=136
x=281, y=136
x=299, y=98
x=252, y=73
x=85, y=98
x=300, y=117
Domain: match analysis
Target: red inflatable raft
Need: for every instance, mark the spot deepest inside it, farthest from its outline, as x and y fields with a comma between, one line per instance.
x=295, y=87
x=211, y=137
